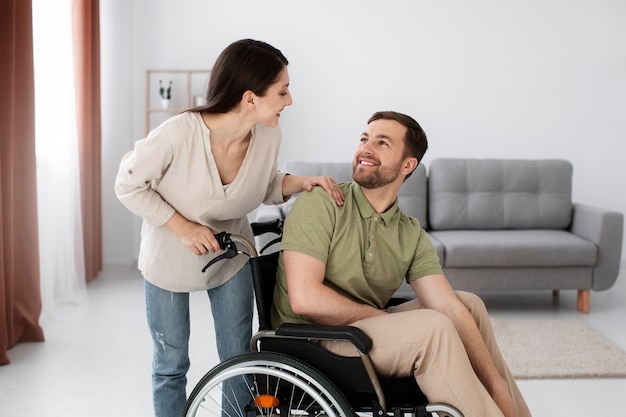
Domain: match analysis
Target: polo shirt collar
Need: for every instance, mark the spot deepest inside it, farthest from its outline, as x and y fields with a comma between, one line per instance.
x=366, y=209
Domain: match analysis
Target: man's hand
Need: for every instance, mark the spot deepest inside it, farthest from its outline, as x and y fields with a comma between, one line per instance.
x=435, y=292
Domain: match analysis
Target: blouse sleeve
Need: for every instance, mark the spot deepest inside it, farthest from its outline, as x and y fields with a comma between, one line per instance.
x=274, y=193
x=139, y=170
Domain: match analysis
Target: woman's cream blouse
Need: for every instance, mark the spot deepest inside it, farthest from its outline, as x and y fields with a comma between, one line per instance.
x=173, y=169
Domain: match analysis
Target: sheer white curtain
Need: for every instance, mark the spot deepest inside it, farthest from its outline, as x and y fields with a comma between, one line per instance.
x=58, y=189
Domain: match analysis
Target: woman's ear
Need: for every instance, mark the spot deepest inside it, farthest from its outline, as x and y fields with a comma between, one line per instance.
x=248, y=99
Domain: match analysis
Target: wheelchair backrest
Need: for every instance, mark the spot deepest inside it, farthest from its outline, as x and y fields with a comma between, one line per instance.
x=264, y=271
x=264, y=277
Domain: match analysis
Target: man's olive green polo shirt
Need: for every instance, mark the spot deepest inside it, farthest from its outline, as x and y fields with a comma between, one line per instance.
x=367, y=255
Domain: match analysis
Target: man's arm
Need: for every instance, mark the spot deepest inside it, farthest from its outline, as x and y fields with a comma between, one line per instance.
x=309, y=297
x=435, y=292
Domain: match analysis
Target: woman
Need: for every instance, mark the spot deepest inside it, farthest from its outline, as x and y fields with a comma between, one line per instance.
x=199, y=173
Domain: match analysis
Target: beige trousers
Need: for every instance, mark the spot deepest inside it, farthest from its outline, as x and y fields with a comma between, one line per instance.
x=421, y=342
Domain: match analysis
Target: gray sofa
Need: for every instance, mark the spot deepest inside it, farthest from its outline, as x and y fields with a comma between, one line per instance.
x=502, y=225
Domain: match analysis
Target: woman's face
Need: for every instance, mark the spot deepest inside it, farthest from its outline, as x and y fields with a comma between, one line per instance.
x=274, y=101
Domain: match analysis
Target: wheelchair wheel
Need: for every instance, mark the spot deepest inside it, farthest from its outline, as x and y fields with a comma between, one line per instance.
x=266, y=384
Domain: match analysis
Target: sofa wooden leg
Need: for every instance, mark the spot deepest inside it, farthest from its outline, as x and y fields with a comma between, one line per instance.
x=583, y=301
x=556, y=293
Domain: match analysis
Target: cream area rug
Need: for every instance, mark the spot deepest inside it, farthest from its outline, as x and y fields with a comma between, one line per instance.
x=543, y=349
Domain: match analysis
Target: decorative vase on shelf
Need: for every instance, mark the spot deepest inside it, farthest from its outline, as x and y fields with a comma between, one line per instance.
x=166, y=95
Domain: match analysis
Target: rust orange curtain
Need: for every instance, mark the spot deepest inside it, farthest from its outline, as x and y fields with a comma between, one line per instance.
x=86, y=29
x=20, y=298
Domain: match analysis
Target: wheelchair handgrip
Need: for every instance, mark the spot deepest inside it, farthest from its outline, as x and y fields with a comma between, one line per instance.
x=228, y=247
x=320, y=332
x=222, y=239
x=271, y=226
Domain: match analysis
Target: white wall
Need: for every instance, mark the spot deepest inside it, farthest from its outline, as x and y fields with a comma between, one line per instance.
x=118, y=119
x=487, y=78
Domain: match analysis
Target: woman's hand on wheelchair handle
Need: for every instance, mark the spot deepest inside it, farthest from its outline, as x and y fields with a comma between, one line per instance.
x=198, y=238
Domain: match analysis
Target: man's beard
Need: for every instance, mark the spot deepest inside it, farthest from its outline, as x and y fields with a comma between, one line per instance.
x=375, y=178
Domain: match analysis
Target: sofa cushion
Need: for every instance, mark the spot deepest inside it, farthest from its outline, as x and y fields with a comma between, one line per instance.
x=514, y=248
x=438, y=247
x=499, y=194
x=412, y=197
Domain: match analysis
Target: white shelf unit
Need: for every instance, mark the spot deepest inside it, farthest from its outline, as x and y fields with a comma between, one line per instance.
x=186, y=84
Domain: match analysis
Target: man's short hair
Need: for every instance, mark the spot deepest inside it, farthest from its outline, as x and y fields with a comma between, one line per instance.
x=415, y=141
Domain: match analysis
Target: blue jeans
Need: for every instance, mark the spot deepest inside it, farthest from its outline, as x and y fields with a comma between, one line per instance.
x=168, y=320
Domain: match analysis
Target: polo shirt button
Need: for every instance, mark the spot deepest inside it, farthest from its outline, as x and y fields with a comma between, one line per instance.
x=370, y=254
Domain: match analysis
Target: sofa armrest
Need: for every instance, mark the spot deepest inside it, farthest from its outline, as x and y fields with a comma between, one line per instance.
x=604, y=228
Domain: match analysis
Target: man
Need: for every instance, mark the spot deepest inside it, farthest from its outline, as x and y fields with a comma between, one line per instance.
x=340, y=266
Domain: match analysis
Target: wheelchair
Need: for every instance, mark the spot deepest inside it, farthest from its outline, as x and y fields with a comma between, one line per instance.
x=288, y=374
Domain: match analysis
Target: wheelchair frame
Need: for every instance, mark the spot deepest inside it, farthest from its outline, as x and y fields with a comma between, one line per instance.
x=287, y=374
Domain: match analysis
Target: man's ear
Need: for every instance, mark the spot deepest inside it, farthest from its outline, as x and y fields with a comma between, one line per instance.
x=409, y=165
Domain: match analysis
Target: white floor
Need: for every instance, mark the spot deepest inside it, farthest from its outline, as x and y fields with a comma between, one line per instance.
x=96, y=358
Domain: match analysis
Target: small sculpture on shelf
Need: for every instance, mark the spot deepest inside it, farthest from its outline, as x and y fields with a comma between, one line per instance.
x=166, y=94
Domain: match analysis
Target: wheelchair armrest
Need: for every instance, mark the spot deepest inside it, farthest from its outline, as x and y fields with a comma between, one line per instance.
x=351, y=334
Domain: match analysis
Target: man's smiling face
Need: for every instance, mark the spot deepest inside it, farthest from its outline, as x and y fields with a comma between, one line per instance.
x=380, y=155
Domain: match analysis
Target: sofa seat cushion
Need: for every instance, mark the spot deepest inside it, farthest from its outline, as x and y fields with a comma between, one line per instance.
x=514, y=248
x=438, y=247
